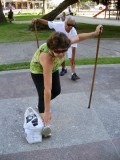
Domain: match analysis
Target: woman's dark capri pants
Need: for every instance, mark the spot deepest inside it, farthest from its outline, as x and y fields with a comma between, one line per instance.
x=39, y=83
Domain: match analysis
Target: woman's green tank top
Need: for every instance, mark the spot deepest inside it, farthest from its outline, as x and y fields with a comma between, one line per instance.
x=36, y=67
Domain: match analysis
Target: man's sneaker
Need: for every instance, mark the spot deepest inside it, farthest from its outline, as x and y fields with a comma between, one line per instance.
x=74, y=77
x=63, y=71
x=46, y=132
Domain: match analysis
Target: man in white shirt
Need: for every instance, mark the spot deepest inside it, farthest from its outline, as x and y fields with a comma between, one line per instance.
x=66, y=27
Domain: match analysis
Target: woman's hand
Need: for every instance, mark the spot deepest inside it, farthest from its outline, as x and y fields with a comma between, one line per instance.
x=99, y=29
x=46, y=116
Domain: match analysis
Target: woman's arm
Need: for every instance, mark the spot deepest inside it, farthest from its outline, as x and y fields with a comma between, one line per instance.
x=47, y=65
x=84, y=36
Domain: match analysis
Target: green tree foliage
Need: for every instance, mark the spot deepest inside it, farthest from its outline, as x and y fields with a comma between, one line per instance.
x=105, y=2
x=118, y=5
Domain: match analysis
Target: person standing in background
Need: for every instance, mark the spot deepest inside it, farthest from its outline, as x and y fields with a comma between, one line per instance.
x=10, y=16
x=63, y=16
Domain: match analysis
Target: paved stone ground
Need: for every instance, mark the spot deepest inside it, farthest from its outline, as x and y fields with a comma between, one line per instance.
x=19, y=52
x=78, y=133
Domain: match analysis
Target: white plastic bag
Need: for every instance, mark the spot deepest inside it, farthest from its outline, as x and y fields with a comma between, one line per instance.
x=33, y=126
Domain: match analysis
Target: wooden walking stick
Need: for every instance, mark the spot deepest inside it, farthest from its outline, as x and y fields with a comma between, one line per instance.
x=36, y=35
x=93, y=79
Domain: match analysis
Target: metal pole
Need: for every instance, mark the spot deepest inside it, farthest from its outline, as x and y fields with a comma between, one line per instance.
x=93, y=79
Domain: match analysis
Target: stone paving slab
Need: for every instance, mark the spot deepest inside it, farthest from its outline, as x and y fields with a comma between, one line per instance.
x=18, y=84
x=71, y=126
x=78, y=132
x=91, y=151
x=21, y=52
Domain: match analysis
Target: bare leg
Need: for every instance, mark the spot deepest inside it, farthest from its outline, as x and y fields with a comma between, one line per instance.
x=63, y=64
x=72, y=65
x=74, y=76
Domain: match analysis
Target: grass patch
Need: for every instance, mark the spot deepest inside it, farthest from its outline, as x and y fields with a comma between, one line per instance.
x=15, y=66
x=26, y=17
x=19, y=33
x=108, y=31
x=12, y=32
x=86, y=61
x=90, y=61
x=105, y=60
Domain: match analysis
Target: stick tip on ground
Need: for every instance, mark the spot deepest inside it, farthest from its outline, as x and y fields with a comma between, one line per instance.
x=89, y=107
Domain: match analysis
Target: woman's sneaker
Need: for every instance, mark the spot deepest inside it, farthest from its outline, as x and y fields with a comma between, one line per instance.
x=63, y=71
x=46, y=132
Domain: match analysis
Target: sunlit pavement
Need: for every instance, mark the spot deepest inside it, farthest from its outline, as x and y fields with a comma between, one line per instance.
x=90, y=20
x=99, y=20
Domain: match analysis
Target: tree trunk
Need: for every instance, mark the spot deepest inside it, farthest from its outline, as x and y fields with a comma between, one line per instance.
x=62, y=6
x=54, y=13
x=2, y=16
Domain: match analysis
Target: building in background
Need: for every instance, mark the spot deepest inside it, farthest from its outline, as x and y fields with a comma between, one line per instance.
x=29, y=4
x=22, y=4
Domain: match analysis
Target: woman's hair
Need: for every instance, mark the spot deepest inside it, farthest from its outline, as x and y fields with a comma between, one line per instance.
x=58, y=40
